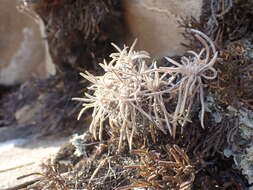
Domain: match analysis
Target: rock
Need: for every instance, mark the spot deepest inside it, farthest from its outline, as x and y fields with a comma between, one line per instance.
x=27, y=113
x=155, y=24
x=22, y=157
x=23, y=51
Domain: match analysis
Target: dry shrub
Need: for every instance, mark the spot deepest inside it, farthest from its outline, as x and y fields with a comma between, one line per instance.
x=211, y=141
x=100, y=172
x=132, y=95
x=235, y=81
x=225, y=20
x=229, y=24
x=169, y=170
x=126, y=97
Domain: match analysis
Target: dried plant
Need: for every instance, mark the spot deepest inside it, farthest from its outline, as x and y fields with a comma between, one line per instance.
x=190, y=72
x=125, y=96
x=171, y=170
x=51, y=178
x=132, y=95
x=117, y=94
x=234, y=85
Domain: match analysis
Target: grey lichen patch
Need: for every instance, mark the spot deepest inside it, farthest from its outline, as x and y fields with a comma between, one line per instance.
x=246, y=117
x=214, y=109
x=243, y=158
x=80, y=143
x=247, y=164
x=240, y=149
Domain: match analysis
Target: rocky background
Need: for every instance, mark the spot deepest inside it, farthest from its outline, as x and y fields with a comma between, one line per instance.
x=23, y=48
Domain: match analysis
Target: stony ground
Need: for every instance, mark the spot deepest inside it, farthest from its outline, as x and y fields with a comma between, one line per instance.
x=23, y=156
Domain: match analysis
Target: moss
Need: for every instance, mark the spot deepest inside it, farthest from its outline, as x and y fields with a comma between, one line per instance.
x=234, y=82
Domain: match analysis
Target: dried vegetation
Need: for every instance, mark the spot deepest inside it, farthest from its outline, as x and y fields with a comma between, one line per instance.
x=169, y=170
x=229, y=26
x=132, y=95
x=98, y=168
x=234, y=85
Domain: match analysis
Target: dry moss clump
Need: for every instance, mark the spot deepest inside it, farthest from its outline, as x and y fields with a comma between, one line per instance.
x=97, y=168
x=169, y=170
x=230, y=26
x=235, y=82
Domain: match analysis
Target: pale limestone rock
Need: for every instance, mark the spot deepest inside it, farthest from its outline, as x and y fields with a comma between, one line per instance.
x=23, y=51
x=27, y=113
x=155, y=23
x=24, y=156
